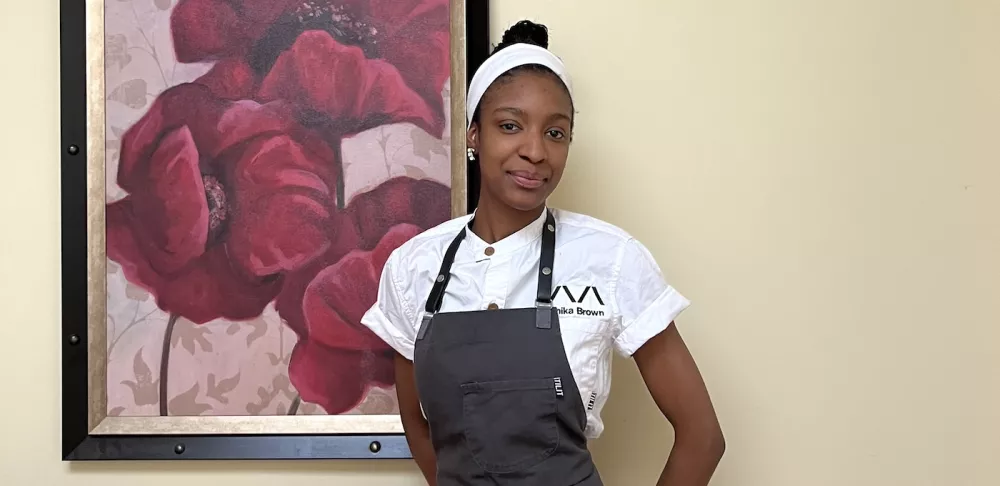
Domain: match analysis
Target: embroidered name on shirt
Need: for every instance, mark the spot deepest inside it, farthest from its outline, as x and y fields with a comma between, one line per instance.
x=588, y=297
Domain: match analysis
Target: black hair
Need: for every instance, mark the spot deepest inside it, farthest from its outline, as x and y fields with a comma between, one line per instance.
x=523, y=32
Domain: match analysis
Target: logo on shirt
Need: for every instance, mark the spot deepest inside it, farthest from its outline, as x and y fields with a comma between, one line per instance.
x=578, y=300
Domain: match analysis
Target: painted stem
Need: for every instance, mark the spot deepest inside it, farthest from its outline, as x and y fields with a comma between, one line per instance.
x=294, y=407
x=339, y=166
x=165, y=363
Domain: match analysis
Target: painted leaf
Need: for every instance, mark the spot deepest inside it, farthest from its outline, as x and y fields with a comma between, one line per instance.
x=259, y=327
x=115, y=412
x=135, y=292
x=425, y=145
x=281, y=383
x=187, y=404
x=116, y=51
x=144, y=389
x=163, y=4
x=309, y=409
x=219, y=390
x=378, y=402
x=131, y=93
x=414, y=172
x=254, y=408
x=188, y=335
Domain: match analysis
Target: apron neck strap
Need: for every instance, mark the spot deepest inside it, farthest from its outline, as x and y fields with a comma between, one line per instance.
x=545, y=263
x=444, y=275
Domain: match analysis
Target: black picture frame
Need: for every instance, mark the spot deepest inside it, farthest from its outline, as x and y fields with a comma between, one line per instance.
x=78, y=442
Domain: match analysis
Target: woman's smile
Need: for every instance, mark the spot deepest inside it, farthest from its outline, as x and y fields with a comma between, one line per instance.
x=527, y=179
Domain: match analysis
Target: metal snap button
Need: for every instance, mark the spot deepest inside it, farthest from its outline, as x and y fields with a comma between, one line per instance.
x=493, y=306
x=489, y=251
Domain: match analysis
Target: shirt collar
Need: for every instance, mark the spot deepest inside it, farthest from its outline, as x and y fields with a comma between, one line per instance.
x=506, y=246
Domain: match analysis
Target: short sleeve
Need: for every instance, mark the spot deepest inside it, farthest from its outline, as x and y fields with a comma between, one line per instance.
x=391, y=318
x=645, y=302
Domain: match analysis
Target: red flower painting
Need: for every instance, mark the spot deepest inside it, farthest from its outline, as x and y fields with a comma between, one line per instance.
x=349, y=65
x=233, y=211
x=337, y=359
x=223, y=197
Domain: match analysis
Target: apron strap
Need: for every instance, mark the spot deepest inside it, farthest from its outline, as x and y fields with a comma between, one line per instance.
x=546, y=261
x=543, y=299
x=440, y=284
x=444, y=275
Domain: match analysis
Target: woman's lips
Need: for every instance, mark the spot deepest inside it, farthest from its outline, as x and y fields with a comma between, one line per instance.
x=527, y=180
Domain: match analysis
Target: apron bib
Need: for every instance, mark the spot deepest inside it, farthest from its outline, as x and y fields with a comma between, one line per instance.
x=498, y=391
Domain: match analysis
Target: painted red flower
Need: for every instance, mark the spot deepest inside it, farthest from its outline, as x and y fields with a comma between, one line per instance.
x=359, y=63
x=337, y=360
x=223, y=198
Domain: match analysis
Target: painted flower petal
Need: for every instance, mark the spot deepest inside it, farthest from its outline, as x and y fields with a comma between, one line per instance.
x=223, y=197
x=203, y=290
x=343, y=239
x=230, y=79
x=171, y=213
x=355, y=93
x=284, y=192
x=207, y=29
x=422, y=202
x=377, y=220
x=340, y=294
x=335, y=379
x=416, y=39
x=215, y=125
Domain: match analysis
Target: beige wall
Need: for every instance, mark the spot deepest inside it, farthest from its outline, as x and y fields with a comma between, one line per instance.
x=822, y=179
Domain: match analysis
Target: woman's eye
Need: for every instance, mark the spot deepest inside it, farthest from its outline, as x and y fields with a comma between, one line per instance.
x=508, y=126
x=556, y=134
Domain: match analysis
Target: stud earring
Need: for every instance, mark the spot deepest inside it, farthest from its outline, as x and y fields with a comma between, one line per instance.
x=471, y=154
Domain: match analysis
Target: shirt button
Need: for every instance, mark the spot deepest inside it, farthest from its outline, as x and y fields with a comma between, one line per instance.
x=493, y=306
x=489, y=251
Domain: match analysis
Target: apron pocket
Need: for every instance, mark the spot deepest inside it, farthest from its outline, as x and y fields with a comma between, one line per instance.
x=511, y=425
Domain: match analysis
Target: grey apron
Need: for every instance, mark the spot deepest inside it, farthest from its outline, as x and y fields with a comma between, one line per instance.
x=498, y=392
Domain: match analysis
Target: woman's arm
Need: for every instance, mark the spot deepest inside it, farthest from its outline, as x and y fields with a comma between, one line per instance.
x=418, y=434
x=678, y=389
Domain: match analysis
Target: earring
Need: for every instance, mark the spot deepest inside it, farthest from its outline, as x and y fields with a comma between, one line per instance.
x=471, y=154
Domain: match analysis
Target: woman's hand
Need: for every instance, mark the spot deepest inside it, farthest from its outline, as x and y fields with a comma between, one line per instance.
x=676, y=385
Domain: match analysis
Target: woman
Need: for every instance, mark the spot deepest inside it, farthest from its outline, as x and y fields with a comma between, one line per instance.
x=504, y=320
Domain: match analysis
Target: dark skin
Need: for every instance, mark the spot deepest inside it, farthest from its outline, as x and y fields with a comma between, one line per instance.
x=522, y=142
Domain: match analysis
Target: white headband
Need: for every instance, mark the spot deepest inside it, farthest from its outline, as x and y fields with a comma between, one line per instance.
x=504, y=60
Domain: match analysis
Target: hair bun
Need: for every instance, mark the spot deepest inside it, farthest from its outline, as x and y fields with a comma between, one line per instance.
x=526, y=32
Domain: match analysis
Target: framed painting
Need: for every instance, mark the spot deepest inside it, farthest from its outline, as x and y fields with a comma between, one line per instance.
x=234, y=174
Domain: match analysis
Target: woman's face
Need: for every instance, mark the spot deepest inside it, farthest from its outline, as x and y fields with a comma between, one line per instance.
x=522, y=138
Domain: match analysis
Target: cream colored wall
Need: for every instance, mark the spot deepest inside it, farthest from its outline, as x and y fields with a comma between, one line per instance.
x=820, y=178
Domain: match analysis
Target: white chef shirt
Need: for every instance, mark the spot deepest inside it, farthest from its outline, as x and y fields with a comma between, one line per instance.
x=608, y=289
